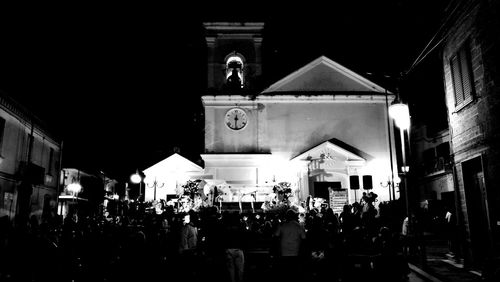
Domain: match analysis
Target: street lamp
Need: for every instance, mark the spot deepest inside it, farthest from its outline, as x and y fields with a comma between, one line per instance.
x=391, y=184
x=155, y=185
x=401, y=115
x=74, y=188
x=137, y=179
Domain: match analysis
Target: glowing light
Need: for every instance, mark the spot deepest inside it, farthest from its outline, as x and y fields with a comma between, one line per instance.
x=115, y=196
x=397, y=180
x=74, y=187
x=401, y=115
x=135, y=178
x=234, y=59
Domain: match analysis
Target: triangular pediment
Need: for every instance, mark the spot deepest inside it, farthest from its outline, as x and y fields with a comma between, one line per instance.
x=330, y=152
x=173, y=163
x=324, y=75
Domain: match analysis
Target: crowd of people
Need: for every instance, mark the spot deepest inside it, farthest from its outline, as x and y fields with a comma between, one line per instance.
x=207, y=244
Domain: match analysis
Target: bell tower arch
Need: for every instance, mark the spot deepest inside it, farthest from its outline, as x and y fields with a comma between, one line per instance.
x=233, y=55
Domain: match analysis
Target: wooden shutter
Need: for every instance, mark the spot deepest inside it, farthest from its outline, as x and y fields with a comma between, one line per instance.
x=457, y=80
x=466, y=74
x=462, y=76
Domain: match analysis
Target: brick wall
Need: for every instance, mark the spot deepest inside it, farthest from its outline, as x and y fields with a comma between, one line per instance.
x=475, y=127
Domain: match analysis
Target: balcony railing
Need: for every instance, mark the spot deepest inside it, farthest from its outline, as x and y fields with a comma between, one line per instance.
x=436, y=165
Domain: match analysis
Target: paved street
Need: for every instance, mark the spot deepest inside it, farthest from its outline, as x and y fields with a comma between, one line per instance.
x=413, y=277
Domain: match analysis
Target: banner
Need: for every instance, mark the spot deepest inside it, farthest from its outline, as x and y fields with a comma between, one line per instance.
x=338, y=198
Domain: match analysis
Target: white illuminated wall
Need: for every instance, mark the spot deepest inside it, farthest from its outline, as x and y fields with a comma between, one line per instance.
x=283, y=125
x=169, y=175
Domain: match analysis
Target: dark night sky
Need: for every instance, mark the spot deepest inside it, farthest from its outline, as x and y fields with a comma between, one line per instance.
x=121, y=84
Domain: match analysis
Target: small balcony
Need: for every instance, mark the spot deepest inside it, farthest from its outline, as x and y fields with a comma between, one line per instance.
x=436, y=166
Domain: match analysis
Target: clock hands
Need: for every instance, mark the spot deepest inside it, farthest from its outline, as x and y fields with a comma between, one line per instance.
x=235, y=121
x=233, y=117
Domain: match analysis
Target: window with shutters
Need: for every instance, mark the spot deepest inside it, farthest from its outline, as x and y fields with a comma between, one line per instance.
x=462, y=76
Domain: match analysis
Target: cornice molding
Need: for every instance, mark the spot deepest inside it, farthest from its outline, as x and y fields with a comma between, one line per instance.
x=299, y=98
x=25, y=117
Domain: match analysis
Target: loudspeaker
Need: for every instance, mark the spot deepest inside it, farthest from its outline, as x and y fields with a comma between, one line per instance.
x=367, y=182
x=354, y=181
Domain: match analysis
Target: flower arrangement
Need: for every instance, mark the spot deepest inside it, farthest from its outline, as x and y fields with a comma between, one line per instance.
x=280, y=199
x=191, y=188
x=185, y=204
x=270, y=207
x=283, y=190
x=283, y=187
x=192, y=197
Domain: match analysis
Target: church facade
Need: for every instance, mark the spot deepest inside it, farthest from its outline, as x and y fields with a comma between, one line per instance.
x=323, y=129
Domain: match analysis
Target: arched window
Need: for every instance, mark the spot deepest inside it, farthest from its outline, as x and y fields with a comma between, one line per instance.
x=235, y=64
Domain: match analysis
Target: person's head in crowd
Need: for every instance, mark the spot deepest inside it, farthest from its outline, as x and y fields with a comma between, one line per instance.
x=187, y=219
x=290, y=215
x=347, y=208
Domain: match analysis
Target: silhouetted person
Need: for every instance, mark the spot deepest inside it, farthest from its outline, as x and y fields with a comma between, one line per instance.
x=234, y=245
x=449, y=229
x=291, y=236
x=234, y=81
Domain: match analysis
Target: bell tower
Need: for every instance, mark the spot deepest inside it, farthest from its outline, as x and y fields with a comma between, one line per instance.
x=234, y=56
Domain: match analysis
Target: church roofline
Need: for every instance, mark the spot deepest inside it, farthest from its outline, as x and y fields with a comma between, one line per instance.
x=371, y=86
x=351, y=152
x=170, y=158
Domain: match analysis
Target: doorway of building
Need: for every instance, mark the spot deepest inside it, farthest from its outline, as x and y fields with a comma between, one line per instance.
x=476, y=202
x=321, y=189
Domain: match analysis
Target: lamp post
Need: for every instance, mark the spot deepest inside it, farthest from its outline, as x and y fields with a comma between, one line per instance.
x=401, y=115
x=392, y=185
x=155, y=185
x=137, y=179
x=75, y=189
x=390, y=182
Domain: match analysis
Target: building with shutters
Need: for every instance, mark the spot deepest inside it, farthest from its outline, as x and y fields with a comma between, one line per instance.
x=470, y=57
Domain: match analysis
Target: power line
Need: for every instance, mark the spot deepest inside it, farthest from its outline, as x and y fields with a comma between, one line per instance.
x=466, y=10
x=445, y=21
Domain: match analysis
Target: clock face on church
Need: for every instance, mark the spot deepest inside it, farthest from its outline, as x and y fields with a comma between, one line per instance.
x=236, y=119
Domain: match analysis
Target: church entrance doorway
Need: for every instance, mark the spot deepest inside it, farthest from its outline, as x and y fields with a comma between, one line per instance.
x=321, y=189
